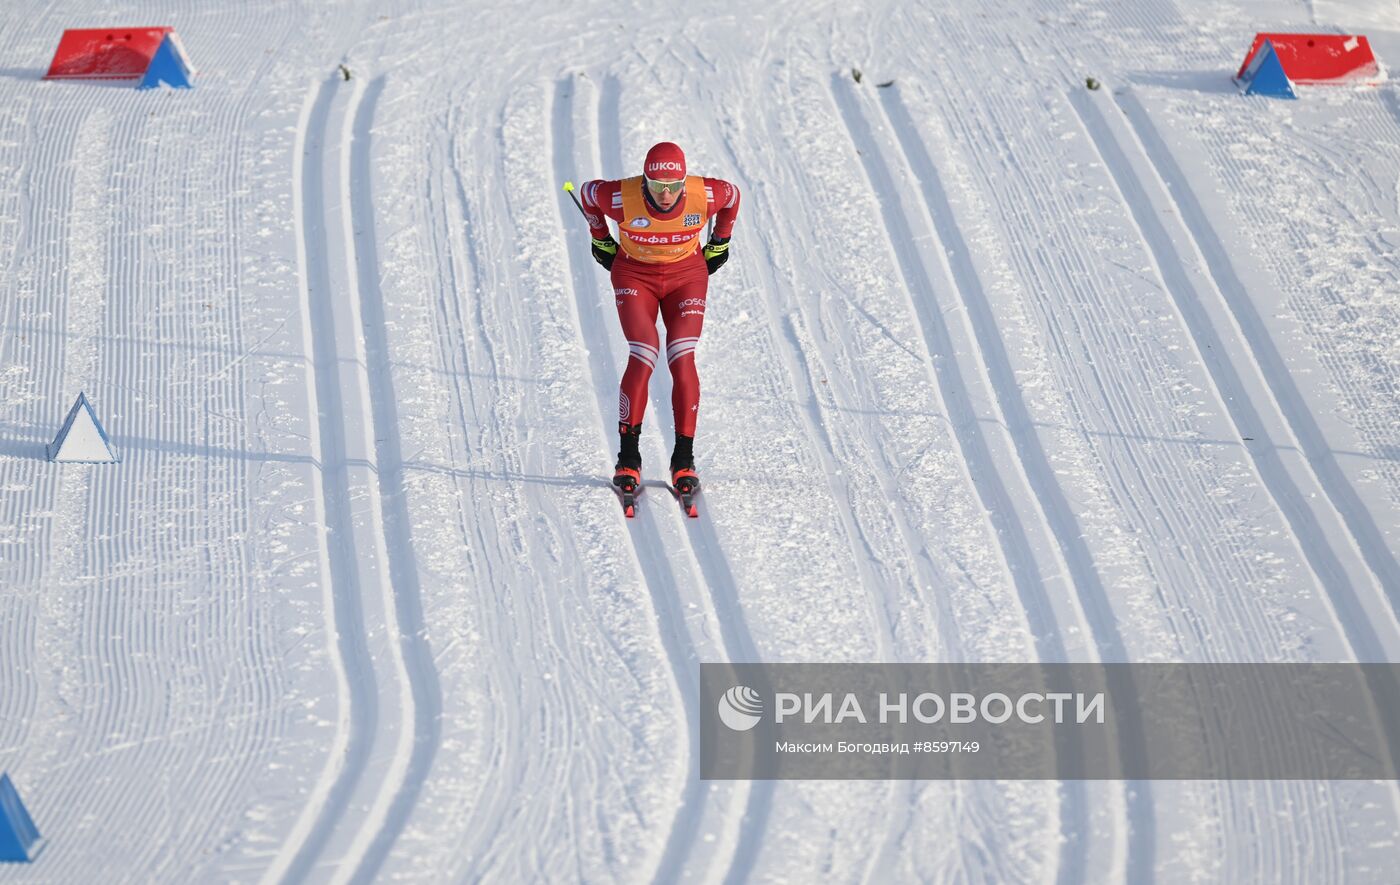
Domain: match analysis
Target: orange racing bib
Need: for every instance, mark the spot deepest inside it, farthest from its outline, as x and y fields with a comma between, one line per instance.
x=652, y=240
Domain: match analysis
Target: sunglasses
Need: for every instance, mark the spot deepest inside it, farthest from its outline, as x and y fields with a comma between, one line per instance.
x=656, y=187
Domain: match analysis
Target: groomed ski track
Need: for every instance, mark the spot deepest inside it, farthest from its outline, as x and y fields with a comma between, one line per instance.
x=1001, y=369
x=388, y=685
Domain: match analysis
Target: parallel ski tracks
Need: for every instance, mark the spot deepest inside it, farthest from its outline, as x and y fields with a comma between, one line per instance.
x=357, y=700
x=1249, y=374
x=1285, y=399
x=1012, y=528
x=801, y=358
x=499, y=327
x=387, y=730
x=647, y=543
x=1250, y=379
x=658, y=527
x=415, y=656
x=467, y=347
x=1033, y=480
x=782, y=359
x=708, y=554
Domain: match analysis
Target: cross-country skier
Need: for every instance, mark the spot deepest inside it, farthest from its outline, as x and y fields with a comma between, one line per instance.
x=661, y=267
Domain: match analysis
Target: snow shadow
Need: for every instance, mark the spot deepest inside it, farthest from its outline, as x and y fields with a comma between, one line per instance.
x=31, y=443
x=576, y=481
x=27, y=449
x=1217, y=81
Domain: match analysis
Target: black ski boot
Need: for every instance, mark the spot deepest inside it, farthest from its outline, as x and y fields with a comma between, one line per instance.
x=683, y=476
x=627, y=475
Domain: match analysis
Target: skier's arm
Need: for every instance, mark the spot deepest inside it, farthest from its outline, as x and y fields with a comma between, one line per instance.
x=601, y=200
x=723, y=206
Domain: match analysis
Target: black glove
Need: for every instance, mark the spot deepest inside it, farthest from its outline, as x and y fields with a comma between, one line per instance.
x=716, y=253
x=604, y=251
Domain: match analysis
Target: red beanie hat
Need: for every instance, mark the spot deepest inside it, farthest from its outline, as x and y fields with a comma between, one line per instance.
x=665, y=162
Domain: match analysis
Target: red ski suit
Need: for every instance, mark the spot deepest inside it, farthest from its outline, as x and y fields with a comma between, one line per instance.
x=675, y=287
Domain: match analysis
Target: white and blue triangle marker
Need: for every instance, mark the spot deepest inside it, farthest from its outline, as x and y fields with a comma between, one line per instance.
x=1265, y=75
x=169, y=67
x=19, y=838
x=82, y=438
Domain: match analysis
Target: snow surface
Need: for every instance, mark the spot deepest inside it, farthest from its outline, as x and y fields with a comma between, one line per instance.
x=1001, y=369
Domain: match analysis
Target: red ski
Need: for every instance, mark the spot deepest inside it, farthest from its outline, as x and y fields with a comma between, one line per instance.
x=685, y=485
x=628, y=484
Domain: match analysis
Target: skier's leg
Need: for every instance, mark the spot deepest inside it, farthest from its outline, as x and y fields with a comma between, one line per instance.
x=637, y=306
x=683, y=311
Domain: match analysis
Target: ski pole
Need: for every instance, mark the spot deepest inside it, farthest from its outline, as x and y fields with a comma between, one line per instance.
x=569, y=186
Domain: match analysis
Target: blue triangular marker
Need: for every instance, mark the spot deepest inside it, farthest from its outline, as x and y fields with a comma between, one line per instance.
x=1265, y=75
x=19, y=838
x=169, y=67
x=82, y=438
